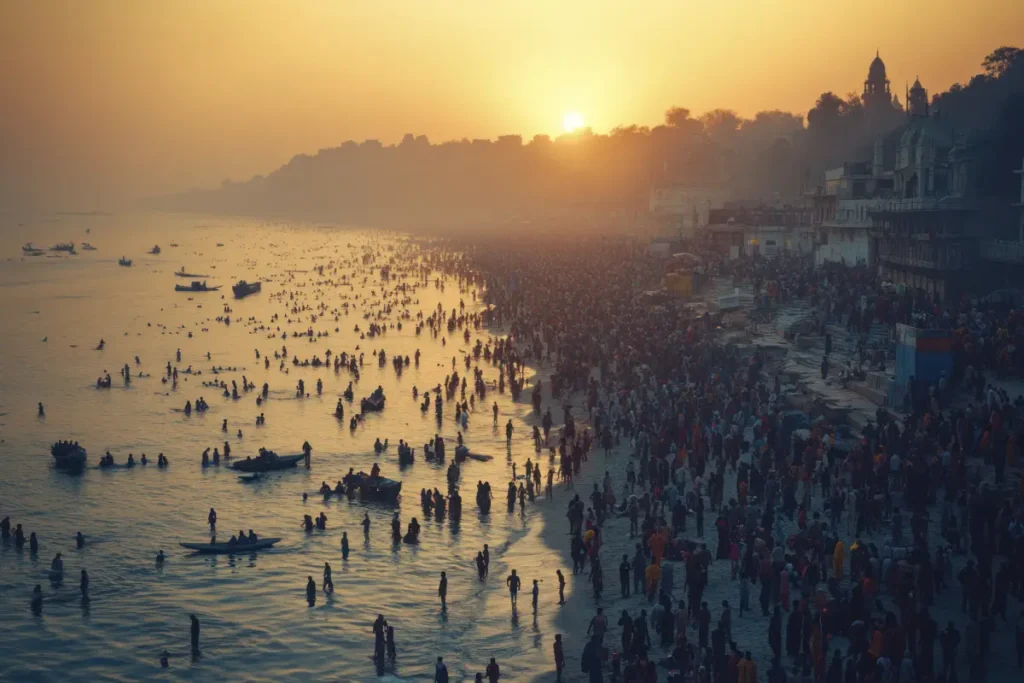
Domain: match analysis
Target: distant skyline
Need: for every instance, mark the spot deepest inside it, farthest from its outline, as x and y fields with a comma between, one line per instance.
x=109, y=101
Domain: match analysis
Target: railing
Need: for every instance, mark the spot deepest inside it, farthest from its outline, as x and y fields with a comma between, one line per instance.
x=1003, y=251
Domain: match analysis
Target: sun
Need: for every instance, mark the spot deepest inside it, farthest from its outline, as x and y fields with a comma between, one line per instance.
x=572, y=121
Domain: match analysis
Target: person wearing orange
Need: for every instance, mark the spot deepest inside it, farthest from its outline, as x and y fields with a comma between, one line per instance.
x=657, y=544
x=746, y=669
x=652, y=575
x=839, y=560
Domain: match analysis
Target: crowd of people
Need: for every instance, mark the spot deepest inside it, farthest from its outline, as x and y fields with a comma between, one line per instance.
x=834, y=531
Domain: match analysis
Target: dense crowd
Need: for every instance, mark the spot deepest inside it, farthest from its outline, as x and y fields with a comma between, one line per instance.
x=834, y=532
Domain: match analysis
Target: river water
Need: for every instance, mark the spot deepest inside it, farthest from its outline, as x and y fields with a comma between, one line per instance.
x=255, y=619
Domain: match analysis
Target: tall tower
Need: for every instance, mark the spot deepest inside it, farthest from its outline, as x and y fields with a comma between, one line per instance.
x=876, y=87
x=917, y=100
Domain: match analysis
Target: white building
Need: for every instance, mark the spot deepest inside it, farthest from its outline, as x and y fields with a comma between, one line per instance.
x=854, y=191
x=682, y=209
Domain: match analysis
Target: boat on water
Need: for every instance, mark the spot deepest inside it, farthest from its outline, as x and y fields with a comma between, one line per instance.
x=30, y=248
x=244, y=289
x=267, y=461
x=68, y=247
x=373, y=404
x=88, y=247
x=124, y=261
x=196, y=286
x=380, y=489
x=155, y=250
x=238, y=548
x=462, y=453
x=173, y=244
x=182, y=273
x=68, y=455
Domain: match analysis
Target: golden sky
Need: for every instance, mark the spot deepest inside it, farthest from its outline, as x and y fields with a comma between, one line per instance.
x=111, y=99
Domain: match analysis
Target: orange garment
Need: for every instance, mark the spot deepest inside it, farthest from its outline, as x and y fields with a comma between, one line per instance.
x=876, y=644
x=746, y=671
x=653, y=576
x=657, y=543
x=839, y=559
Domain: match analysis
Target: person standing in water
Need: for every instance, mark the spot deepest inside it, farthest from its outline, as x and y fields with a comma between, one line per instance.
x=508, y=432
x=536, y=594
x=212, y=519
x=513, y=582
x=366, y=525
x=42, y=413
x=194, y=633
x=440, y=671
x=344, y=545
x=83, y=584
x=442, y=590
x=328, y=581
x=493, y=671
x=310, y=591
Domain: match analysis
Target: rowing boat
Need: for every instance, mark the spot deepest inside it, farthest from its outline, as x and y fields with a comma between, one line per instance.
x=234, y=548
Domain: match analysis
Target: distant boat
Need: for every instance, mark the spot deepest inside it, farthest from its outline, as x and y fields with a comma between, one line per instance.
x=268, y=461
x=124, y=261
x=182, y=273
x=231, y=549
x=155, y=250
x=64, y=246
x=31, y=249
x=173, y=244
x=196, y=286
x=243, y=288
x=87, y=247
x=220, y=244
x=68, y=456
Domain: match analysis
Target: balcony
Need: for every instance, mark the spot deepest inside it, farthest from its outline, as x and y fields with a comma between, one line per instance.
x=1002, y=251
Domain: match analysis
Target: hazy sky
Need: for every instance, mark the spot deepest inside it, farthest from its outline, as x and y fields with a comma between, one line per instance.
x=107, y=100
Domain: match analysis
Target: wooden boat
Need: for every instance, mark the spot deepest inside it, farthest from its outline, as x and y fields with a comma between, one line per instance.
x=155, y=250
x=124, y=261
x=375, y=488
x=267, y=461
x=88, y=247
x=68, y=456
x=235, y=548
x=196, y=286
x=373, y=404
x=244, y=289
x=68, y=247
x=31, y=249
x=182, y=273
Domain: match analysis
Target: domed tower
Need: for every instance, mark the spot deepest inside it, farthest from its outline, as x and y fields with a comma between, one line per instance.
x=917, y=100
x=876, y=87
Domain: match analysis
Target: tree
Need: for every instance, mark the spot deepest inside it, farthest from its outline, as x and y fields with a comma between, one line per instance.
x=825, y=114
x=999, y=61
x=677, y=117
x=721, y=124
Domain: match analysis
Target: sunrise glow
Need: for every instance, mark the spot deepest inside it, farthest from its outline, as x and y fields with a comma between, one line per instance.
x=572, y=121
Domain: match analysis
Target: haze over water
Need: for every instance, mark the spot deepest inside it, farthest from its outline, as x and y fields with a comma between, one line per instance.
x=256, y=623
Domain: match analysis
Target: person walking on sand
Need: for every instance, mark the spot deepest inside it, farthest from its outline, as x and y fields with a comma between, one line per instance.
x=561, y=587
x=513, y=582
